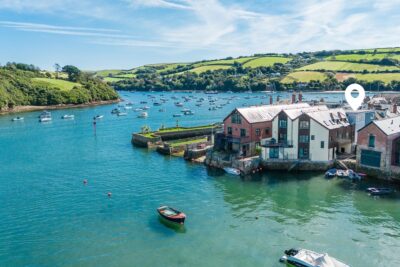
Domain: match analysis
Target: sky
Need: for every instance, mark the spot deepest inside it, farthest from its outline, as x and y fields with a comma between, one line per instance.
x=121, y=34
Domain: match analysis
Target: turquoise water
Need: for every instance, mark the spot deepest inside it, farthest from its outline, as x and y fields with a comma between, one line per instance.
x=50, y=218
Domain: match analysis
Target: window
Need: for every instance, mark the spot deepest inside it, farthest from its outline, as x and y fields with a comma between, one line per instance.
x=242, y=132
x=274, y=153
x=371, y=141
x=258, y=132
x=282, y=138
x=304, y=124
x=267, y=131
x=312, y=137
x=303, y=139
x=282, y=123
x=236, y=118
x=229, y=130
x=322, y=144
x=258, y=144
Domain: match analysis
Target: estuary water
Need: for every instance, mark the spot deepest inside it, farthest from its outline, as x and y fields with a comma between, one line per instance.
x=48, y=217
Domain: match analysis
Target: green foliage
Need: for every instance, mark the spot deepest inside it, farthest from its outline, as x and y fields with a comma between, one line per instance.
x=72, y=72
x=22, y=87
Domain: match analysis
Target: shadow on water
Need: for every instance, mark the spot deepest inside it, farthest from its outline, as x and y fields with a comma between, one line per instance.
x=166, y=227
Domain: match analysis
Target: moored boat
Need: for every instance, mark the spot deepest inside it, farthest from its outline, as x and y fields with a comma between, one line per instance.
x=45, y=116
x=66, y=116
x=232, y=171
x=171, y=214
x=98, y=117
x=143, y=115
x=18, y=119
x=330, y=173
x=376, y=191
x=122, y=114
x=177, y=115
x=115, y=111
x=308, y=258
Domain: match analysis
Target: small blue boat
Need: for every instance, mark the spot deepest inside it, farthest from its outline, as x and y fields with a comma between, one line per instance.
x=330, y=173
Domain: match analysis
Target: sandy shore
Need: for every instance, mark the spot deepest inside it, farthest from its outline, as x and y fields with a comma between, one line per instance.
x=19, y=109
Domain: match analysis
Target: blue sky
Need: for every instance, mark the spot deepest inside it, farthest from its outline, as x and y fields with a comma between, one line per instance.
x=100, y=34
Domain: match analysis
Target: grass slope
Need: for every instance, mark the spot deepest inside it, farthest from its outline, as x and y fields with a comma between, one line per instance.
x=384, y=77
x=304, y=76
x=265, y=61
x=346, y=66
x=358, y=57
x=62, y=84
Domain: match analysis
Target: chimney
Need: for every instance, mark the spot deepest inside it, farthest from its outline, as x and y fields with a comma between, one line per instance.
x=300, y=96
x=277, y=98
x=270, y=99
x=293, y=97
x=394, y=110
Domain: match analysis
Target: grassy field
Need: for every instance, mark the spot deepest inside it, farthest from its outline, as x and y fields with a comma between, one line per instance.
x=384, y=77
x=346, y=66
x=387, y=49
x=265, y=61
x=105, y=73
x=113, y=79
x=304, y=76
x=202, y=69
x=357, y=57
x=224, y=61
x=62, y=84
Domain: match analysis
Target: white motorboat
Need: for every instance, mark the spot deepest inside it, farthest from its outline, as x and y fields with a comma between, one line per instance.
x=232, y=171
x=145, y=107
x=18, y=119
x=45, y=116
x=99, y=117
x=143, y=115
x=138, y=109
x=188, y=112
x=66, y=116
x=122, y=114
x=308, y=258
x=128, y=107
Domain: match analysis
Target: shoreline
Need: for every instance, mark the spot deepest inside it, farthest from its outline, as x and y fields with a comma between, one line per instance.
x=20, y=109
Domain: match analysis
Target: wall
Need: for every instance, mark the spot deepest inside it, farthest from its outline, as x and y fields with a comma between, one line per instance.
x=320, y=134
x=380, y=143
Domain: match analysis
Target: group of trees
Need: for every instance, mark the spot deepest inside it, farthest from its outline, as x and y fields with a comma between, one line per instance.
x=18, y=87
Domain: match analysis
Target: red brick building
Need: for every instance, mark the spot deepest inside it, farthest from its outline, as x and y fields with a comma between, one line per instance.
x=378, y=146
x=244, y=128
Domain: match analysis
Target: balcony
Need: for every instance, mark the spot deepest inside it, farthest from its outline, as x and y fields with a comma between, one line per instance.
x=274, y=143
x=238, y=140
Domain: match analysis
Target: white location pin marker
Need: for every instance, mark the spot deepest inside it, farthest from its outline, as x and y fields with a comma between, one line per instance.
x=355, y=102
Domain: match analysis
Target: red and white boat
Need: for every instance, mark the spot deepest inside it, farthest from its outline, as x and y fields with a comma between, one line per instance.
x=171, y=214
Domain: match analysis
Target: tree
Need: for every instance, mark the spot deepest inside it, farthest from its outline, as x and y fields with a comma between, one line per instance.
x=57, y=68
x=72, y=72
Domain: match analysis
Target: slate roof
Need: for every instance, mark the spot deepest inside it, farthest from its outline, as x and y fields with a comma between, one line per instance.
x=389, y=126
x=331, y=118
x=267, y=112
x=295, y=113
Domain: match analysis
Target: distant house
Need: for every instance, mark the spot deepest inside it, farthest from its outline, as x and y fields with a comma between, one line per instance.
x=378, y=145
x=312, y=133
x=244, y=128
x=359, y=118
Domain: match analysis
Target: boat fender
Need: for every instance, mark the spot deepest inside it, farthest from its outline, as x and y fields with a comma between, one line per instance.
x=109, y=194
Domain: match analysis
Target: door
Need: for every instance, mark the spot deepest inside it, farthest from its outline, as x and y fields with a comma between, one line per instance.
x=371, y=158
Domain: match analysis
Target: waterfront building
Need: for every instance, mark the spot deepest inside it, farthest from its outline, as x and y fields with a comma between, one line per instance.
x=359, y=118
x=308, y=133
x=244, y=128
x=378, y=146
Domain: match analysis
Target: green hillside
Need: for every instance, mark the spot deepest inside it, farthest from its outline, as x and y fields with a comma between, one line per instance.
x=22, y=84
x=314, y=70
